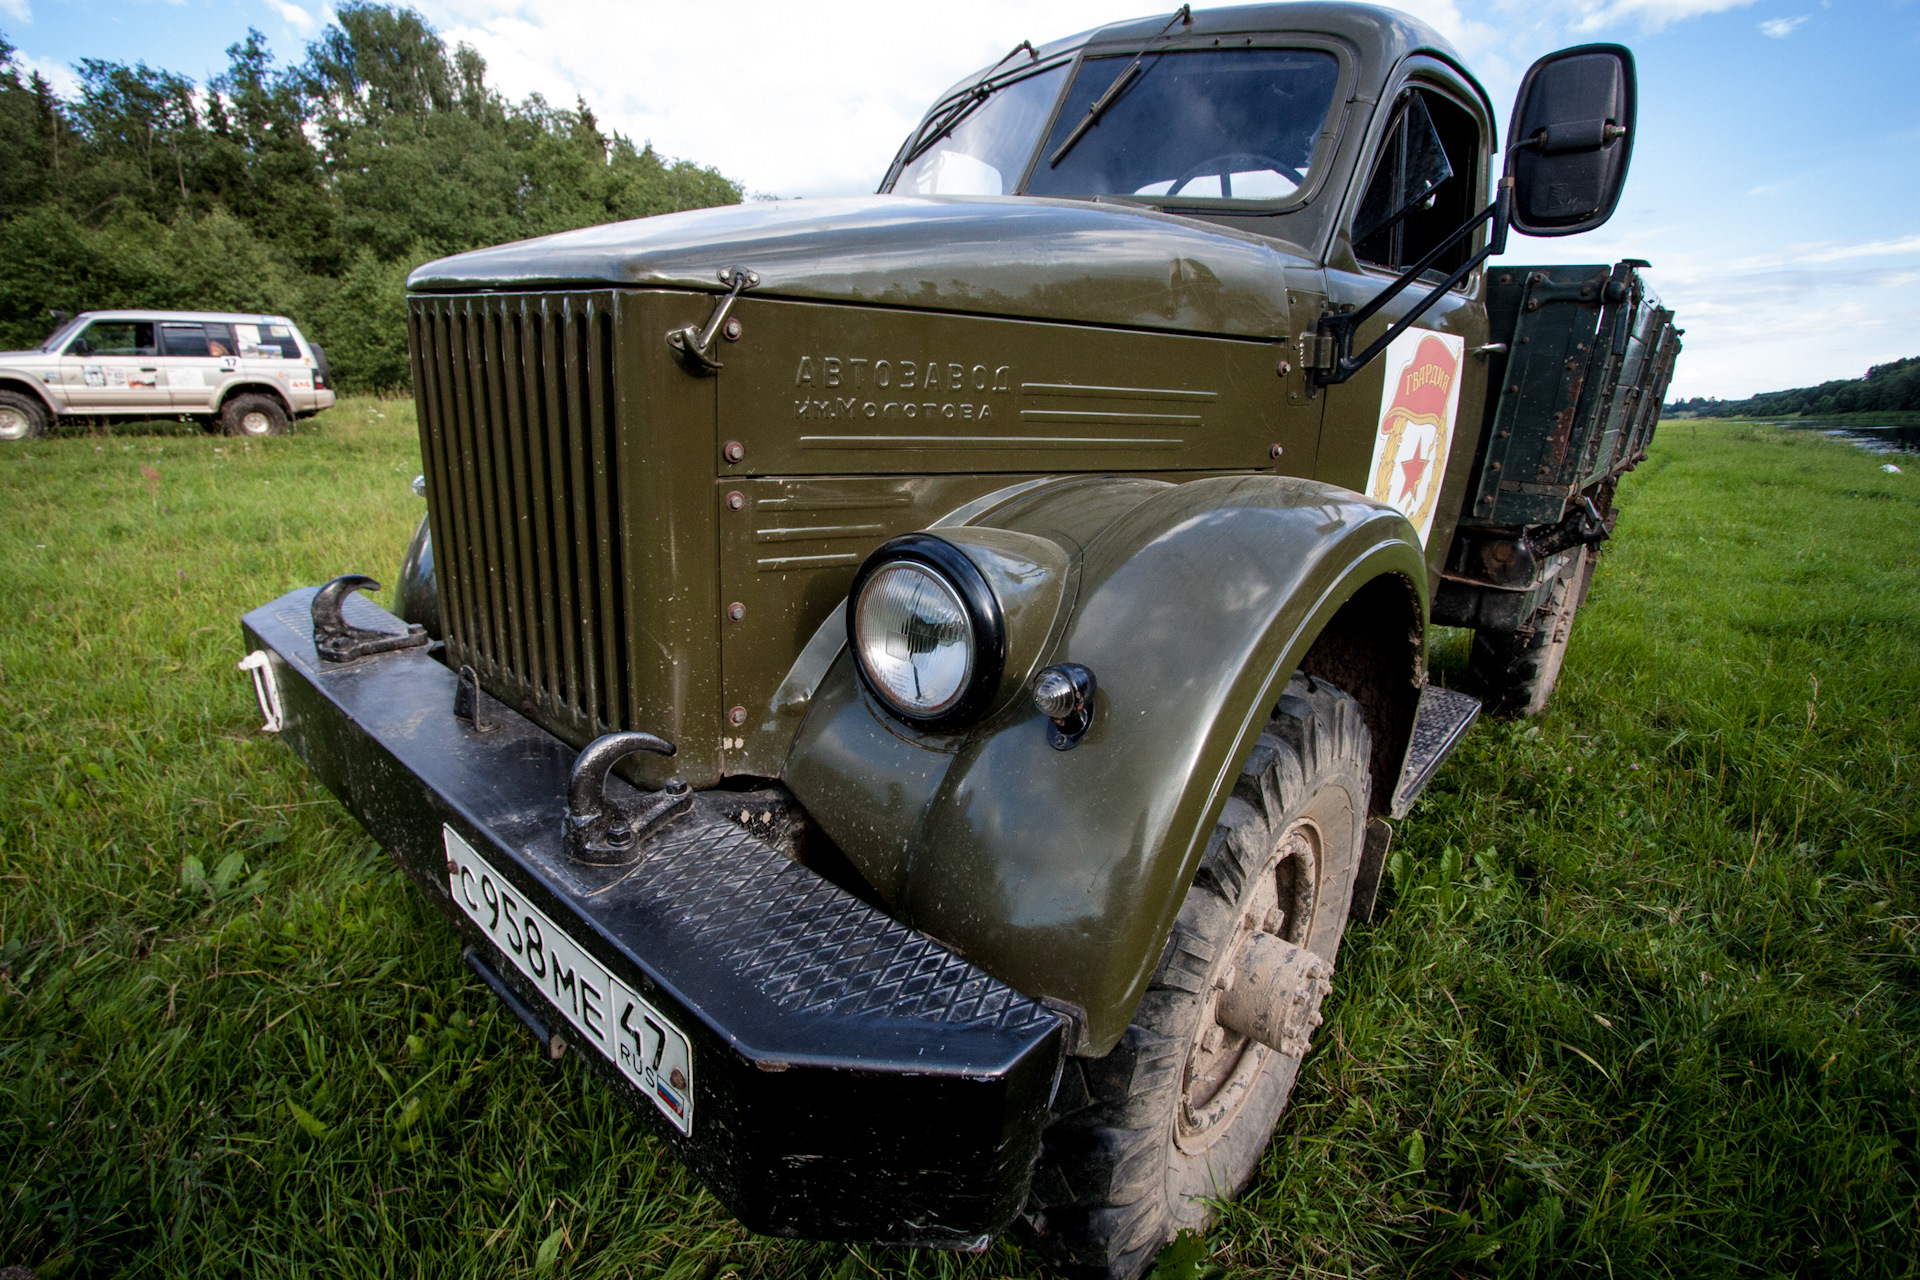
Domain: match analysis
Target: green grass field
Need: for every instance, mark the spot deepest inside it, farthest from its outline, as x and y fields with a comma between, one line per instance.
x=1644, y=1000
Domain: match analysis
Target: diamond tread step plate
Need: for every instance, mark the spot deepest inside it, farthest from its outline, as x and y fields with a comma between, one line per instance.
x=1440, y=723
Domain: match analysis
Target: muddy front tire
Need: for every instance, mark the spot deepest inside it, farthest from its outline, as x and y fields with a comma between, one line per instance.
x=21, y=417
x=1515, y=672
x=1145, y=1140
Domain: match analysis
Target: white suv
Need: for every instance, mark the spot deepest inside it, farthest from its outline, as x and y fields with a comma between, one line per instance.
x=249, y=374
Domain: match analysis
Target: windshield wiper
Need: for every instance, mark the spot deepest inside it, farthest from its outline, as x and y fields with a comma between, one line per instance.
x=1114, y=90
x=964, y=106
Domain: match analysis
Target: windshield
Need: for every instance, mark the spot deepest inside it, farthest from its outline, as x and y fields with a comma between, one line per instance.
x=1228, y=124
x=59, y=335
x=985, y=153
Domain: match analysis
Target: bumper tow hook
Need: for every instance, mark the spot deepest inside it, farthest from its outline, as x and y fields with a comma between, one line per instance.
x=338, y=640
x=606, y=831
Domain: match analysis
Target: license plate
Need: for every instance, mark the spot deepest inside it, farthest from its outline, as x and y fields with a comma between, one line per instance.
x=604, y=1011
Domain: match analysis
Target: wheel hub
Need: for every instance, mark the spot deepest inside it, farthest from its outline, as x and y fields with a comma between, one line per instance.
x=1274, y=992
x=13, y=424
x=1224, y=1061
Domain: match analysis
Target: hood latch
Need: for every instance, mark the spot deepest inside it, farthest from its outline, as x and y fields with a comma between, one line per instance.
x=695, y=345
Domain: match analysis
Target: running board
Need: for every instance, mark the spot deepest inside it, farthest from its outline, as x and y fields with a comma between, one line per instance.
x=1440, y=723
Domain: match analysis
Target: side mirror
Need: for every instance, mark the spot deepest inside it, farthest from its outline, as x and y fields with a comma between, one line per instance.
x=1570, y=139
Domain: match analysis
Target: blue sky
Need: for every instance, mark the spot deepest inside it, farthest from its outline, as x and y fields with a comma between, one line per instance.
x=1775, y=183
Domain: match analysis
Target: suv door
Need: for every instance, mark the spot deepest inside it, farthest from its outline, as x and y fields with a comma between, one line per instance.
x=114, y=365
x=200, y=356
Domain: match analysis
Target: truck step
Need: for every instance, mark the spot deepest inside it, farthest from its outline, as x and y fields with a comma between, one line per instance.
x=1438, y=726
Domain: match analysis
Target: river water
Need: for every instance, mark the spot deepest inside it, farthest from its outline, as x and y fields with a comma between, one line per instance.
x=1903, y=439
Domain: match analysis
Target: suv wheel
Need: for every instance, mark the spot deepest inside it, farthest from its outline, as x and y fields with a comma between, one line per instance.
x=1146, y=1141
x=253, y=415
x=22, y=417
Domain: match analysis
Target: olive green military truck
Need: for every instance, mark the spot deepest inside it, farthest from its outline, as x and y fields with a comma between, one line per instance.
x=912, y=689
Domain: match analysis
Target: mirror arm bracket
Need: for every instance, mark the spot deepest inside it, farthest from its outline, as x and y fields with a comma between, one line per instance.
x=1339, y=329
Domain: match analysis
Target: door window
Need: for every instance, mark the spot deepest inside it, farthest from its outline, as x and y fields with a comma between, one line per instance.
x=1423, y=186
x=115, y=338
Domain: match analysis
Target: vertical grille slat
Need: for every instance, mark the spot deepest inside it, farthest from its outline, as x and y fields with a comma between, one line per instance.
x=508, y=523
x=580, y=461
x=518, y=403
x=566, y=668
x=540, y=536
x=595, y=344
x=455, y=563
x=512, y=391
x=467, y=480
x=472, y=401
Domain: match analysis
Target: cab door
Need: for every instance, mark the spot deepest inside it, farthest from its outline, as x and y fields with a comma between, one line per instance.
x=199, y=356
x=114, y=364
x=1404, y=429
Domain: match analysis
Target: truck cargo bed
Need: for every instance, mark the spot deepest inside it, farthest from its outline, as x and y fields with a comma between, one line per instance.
x=1588, y=352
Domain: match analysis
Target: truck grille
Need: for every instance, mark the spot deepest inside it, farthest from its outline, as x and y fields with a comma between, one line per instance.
x=519, y=433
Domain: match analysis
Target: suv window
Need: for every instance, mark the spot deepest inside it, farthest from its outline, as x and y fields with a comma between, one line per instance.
x=1423, y=185
x=115, y=338
x=1227, y=124
x=200, y=339
x=267, y=341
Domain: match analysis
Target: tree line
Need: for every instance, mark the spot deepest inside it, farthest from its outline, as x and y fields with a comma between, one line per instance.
x=308, y=191
x=1894, y=386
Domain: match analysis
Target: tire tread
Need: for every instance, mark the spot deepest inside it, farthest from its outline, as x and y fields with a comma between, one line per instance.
x=1097, y=1205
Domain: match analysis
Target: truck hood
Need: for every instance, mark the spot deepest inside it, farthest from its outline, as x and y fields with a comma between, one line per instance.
x=1017, y=256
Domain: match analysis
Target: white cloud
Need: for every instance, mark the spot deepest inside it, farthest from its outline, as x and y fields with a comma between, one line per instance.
x=1788, y=317
x=1649, y=15
x=293, y=15
x=1870, y=249
x=57, y=74
x=1781, y=28
x=1812, y=253
x=18, y=10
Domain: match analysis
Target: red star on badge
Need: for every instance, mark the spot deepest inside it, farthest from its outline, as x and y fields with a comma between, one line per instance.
x=1413, y=468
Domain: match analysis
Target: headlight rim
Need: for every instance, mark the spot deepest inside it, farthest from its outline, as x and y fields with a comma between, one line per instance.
x=984, y=616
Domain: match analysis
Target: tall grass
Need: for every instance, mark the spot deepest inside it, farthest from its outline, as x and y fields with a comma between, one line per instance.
x=1644, y=998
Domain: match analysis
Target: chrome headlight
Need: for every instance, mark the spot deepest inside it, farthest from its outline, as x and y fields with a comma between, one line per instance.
x=926, y=631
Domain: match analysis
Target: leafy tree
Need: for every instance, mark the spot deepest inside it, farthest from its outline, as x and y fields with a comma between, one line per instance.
x=309, y=191
x=1887, y=387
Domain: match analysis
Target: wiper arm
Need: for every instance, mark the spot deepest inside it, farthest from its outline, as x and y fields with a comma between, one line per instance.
x=1114, y=90
x=964, y=106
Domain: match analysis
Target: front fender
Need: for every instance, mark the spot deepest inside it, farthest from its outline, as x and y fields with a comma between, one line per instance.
x=416, y=594
x=32, y=383
x=1061, y=872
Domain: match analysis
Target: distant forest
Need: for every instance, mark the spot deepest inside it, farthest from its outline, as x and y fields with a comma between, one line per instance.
x=309, y=191
x=1887, y=387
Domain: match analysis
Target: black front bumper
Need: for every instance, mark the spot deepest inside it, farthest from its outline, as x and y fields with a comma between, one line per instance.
x=852, y=1079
